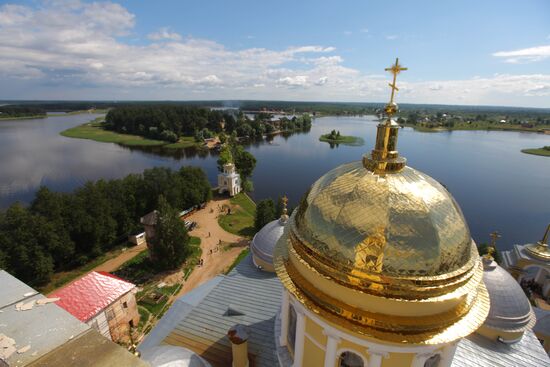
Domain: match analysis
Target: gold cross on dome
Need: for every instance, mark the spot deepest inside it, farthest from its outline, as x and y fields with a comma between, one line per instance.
x=395, y=69
x=494, y=236
x=284, y=199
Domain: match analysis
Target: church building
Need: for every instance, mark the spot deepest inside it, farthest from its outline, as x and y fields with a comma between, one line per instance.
x=376, y=267
x=229, y=180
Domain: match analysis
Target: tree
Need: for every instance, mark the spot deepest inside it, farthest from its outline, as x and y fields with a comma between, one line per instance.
x=225, y=157
x=170, y=246
x=265, y=213
x=245, y=162
x=21, y=243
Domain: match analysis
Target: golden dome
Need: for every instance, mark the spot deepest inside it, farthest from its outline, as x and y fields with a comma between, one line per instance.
x=400, y=224
x=383, y=250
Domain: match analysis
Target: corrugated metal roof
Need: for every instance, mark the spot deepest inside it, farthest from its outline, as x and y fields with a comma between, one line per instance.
x=255, y=294
x=86, y=297
x=177, y=312
x=476, y=350
x=55, y=337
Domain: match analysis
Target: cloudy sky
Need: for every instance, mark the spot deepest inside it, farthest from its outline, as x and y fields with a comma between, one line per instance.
x=458, y=52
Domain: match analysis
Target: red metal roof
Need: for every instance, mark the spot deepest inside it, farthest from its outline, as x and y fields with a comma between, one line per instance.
x=86, y=297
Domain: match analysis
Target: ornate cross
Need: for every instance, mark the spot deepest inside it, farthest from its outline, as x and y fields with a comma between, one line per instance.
x=494, y=237
x=395, y=69
x=284, y=199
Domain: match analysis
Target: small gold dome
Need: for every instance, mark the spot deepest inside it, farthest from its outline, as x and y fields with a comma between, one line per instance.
x=399, y=224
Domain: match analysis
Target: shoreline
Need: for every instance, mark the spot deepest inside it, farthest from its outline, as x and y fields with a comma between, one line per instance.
x=478, y=128
x=541, y=152
x=93, y=130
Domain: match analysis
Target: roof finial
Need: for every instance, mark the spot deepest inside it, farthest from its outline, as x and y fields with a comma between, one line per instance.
x=494, y=237
x=385, y=157
x=391, y=107
x=284, y=215
x=545, y=237
x=541, y=249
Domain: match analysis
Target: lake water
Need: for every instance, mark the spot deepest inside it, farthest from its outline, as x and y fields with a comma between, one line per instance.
x=497, y=186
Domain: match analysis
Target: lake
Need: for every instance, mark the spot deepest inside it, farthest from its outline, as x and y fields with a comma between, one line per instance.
x=497, y=186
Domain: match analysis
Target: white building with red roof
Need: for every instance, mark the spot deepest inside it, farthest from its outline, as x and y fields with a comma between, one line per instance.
x=104, y=302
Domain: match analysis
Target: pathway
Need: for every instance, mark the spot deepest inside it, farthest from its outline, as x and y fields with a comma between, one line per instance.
x=115, y=263
x=210, y=233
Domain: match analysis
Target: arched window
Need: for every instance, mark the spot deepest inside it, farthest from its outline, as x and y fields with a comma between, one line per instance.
x=350, y=359
x=433, y=361
x=291, y=335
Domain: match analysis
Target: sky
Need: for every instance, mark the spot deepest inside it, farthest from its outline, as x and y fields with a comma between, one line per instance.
x=457, y=51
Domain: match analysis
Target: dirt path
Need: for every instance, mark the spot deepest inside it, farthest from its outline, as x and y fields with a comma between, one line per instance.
x=210, y=233
x=113, y=264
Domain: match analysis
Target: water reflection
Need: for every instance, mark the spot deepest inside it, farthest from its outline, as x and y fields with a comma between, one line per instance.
x=497, y=186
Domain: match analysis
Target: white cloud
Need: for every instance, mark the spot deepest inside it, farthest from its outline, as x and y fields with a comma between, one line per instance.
x=348, y=33
x=391, y=37
x=293, y=81
x=62, y=50
x=164, y=34
x=530, y=54
x=322, y=81
x=364, y=30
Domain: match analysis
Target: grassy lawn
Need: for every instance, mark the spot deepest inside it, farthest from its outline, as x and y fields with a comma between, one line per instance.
x=238, y=259
x=94, y=131
x=342, y=139
x=184, y=142
x=61, y=278
x=156, y=307
x=241, y=219
x=544, y=151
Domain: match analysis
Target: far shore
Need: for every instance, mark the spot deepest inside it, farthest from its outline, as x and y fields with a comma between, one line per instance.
x=544, y=151
x=476, y=127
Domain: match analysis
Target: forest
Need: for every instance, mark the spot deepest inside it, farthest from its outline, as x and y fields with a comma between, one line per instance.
x=60, y=231
x=21, y=111
x=170, y=122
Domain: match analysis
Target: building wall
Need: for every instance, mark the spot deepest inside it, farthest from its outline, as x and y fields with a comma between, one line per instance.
x=322, y=343
x=119, y=315
x=99, y=322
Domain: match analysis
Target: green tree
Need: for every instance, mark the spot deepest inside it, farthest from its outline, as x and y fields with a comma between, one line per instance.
x=265, y=213
x=245, y=162
x=170, y=246
x=226, y=156
x=21, y=243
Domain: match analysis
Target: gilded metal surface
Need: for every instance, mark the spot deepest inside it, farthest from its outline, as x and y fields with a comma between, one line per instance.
x=403, y=224
x=388, y=231
x=397, y=287
x=435, y=329
x=541, y=250
x=384, y=158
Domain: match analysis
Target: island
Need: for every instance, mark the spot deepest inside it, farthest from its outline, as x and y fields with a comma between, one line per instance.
x=334, y=137
x=183, y=126
x=544, y=151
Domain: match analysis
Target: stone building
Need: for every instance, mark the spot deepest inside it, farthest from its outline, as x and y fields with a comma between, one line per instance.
x=229, y=180
x=104, y=302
